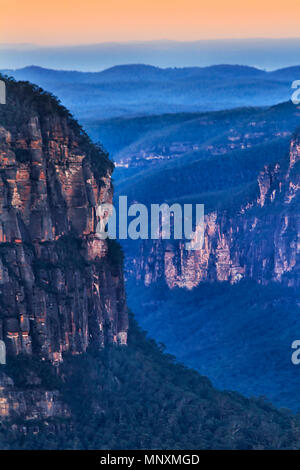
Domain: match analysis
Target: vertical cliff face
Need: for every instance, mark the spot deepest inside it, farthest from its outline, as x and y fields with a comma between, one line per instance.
x=59, y=288
x=260, y=240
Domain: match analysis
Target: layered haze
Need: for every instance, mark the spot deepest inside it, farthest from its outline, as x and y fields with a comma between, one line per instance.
x=262, y=53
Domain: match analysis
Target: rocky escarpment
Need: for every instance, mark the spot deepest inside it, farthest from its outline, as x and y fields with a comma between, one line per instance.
x=30, y=404
x=258, y=240
x=60, y=291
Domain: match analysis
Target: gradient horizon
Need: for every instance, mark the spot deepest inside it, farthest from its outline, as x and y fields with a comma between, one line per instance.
x=71, y=22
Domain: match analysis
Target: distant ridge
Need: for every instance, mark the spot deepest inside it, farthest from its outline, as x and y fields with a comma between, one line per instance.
x=140, y=89
x=269, y=54
x=142, y=71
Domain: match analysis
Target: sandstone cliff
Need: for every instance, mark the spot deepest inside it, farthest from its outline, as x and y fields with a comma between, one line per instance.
x=258, y=240
x=59, y=290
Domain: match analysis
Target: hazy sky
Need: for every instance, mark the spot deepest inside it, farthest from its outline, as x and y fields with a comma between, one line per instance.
x=91, y=21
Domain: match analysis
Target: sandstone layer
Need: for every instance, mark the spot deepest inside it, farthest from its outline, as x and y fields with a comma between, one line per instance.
x=59, y=289
x=260, y=240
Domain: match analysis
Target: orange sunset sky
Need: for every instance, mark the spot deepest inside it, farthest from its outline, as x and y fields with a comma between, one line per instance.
x=91, y=21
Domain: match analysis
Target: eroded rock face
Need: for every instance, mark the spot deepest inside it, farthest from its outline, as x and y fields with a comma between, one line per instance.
x=29, y=404
x=59, y=291
x=260, y=241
